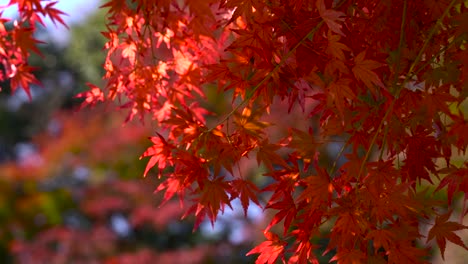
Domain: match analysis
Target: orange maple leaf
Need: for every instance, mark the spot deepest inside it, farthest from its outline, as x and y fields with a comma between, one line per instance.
x=363, y=71
x=129, y=50
x=336, y=48
x=331, y=17
x=339, y=92
x=250, y=127
x=267, y=155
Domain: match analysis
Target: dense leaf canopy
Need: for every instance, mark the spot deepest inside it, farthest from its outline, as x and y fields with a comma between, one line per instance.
x=385, y=81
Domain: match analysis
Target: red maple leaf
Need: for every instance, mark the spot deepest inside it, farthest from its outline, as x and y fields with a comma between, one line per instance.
x=91, y=97
x=456, y=180
x=459, y=131
x=331, y=17
x=443, y=230
x=55, y=14
x=269, y=250
x=421, y=152
x=318, y=189
x=381, y=238
x=160, y=154
x=405, y=252
x=213, y=198
x=246, y=191
x=24, y=38
x=22, y=77
x=287, y=211
x=349, y=256
x=173, y=184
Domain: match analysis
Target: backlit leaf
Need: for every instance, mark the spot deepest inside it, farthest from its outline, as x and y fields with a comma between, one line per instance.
x=363, y=71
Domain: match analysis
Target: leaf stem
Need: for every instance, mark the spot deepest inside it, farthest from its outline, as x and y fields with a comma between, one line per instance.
x=269, y=75
x=397, y=67
x=400, y=45
x=408, y=75
x=335, y=162
x=436, y=55
x=426, y=42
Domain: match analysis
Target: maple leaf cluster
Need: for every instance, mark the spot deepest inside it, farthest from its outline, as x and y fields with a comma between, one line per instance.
x=17, y=40
x=386, y=79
